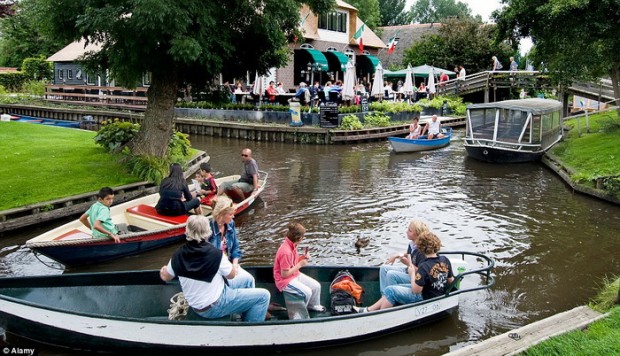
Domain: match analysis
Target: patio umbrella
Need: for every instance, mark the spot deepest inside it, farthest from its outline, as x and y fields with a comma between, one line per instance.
x=377, y=84
x=408, y=86
x=259, y=87
x=431, y=82
x=348, y=85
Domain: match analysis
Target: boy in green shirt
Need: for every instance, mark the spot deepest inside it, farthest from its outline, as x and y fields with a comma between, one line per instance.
x=97, y=217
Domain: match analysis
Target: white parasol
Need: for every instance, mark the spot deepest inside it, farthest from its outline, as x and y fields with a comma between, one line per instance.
x=431, y=82
x=348, y=85
x=408, y=86
x=377, y=84
x=259, y=87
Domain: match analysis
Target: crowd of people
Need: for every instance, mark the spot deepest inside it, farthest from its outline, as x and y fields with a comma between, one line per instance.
x=208, y=264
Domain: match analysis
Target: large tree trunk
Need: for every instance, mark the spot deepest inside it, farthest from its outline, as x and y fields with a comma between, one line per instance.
x=158, y=124
x=614, y=74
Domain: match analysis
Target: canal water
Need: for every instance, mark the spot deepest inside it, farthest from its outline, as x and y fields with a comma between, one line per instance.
x=552, y=247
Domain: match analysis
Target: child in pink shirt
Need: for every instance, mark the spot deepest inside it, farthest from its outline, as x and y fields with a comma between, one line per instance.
x=286, y=268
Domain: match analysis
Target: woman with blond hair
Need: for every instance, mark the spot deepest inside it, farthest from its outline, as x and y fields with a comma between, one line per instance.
x=225, y=239
x=390, y=274
x=430, y=279
x=203, y=272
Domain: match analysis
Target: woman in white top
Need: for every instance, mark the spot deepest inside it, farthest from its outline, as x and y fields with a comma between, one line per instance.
x=414, y=129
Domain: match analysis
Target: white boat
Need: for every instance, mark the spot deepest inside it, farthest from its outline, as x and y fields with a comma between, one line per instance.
x=73, y=244
x=127, y=312
x=512, y=131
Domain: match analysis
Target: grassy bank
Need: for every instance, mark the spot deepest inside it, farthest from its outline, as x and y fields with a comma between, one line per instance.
x=41, y=163
x=600, y=338
x=594, y=154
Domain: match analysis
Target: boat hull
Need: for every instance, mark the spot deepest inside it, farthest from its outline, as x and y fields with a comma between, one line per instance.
x=400, y=145
x=500, y=155
x=126, y=311
x=72, y=244
x=104, y=250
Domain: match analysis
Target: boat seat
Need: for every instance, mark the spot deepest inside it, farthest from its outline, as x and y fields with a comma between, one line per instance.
x=74, y=234
x=150, y=212
x=295, y=306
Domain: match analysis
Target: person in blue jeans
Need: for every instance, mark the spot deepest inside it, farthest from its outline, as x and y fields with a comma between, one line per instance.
x=204, y=272
x=225, y=239
x=389, y=274
x=429, y=280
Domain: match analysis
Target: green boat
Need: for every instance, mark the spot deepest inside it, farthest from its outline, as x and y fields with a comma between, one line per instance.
x=127, y=311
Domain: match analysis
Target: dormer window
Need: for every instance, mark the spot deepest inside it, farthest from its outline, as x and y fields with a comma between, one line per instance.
x=333, y=21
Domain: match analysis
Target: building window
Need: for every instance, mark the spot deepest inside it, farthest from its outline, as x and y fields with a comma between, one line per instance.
x=69, y=73
x=91, y=79
x=61, y=74
x=146, y=79
x=333, y=21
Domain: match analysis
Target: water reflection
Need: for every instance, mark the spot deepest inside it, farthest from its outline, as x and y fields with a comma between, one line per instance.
x=552, y=247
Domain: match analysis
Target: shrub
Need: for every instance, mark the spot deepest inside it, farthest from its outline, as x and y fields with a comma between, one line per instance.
x=393, y=108
x=350, y=122
x=149, y=168
x=349, y=109
x=34, y=87
x=13, y=81
x=179, y=146
x=113, y=136
x=37, y=68
x=376, y=120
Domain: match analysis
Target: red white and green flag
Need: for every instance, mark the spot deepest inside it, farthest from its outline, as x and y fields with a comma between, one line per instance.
x=392, y=44
x=358, y=36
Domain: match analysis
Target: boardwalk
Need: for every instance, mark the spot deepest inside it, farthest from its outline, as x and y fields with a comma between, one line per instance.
x=519, y=340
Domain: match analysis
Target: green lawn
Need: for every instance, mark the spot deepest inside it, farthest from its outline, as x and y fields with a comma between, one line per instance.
x=594, y=154
x=41, y=163
x=600, y=338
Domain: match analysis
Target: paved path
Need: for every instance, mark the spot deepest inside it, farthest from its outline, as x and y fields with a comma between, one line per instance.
x=519, y=340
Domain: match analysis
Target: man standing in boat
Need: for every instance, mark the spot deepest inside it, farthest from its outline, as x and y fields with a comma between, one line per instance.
x=247, y=183
x=433, y=128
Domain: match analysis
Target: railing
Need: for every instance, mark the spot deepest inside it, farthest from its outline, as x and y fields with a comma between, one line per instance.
x=115, y=97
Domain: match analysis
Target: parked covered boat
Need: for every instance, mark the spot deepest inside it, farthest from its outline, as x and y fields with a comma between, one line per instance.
x=72, y=244
x=512, y=130
x=127, y=312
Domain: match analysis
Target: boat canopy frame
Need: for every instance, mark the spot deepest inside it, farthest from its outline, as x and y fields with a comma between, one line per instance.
x=542, y=120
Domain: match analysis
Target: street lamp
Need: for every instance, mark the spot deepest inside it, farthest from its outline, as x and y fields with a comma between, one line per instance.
x=308, y=69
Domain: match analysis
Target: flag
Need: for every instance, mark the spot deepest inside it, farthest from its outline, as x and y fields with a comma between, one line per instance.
x=392, y=45
x=359, y=37
x=301, y=25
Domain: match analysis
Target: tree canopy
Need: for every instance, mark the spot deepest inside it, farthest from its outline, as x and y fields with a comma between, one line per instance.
x=459, y=42
x=430, y=11
x=575, y=39
x=393, y=13
x=177, y=42
x=368, y=11
x=21, y=36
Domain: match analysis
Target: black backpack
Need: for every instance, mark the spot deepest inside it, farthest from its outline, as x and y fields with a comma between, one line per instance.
x=341, y=301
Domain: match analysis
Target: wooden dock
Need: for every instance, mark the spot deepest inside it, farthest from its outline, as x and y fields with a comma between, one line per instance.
x=519, y=340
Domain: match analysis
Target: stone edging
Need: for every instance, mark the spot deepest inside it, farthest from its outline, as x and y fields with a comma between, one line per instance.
x=556, y=165
x=16, y=218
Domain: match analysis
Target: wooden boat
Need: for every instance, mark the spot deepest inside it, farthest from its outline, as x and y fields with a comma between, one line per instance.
x=512, y=131
x=127, y=312
x=72, y=244
x=400, y=144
